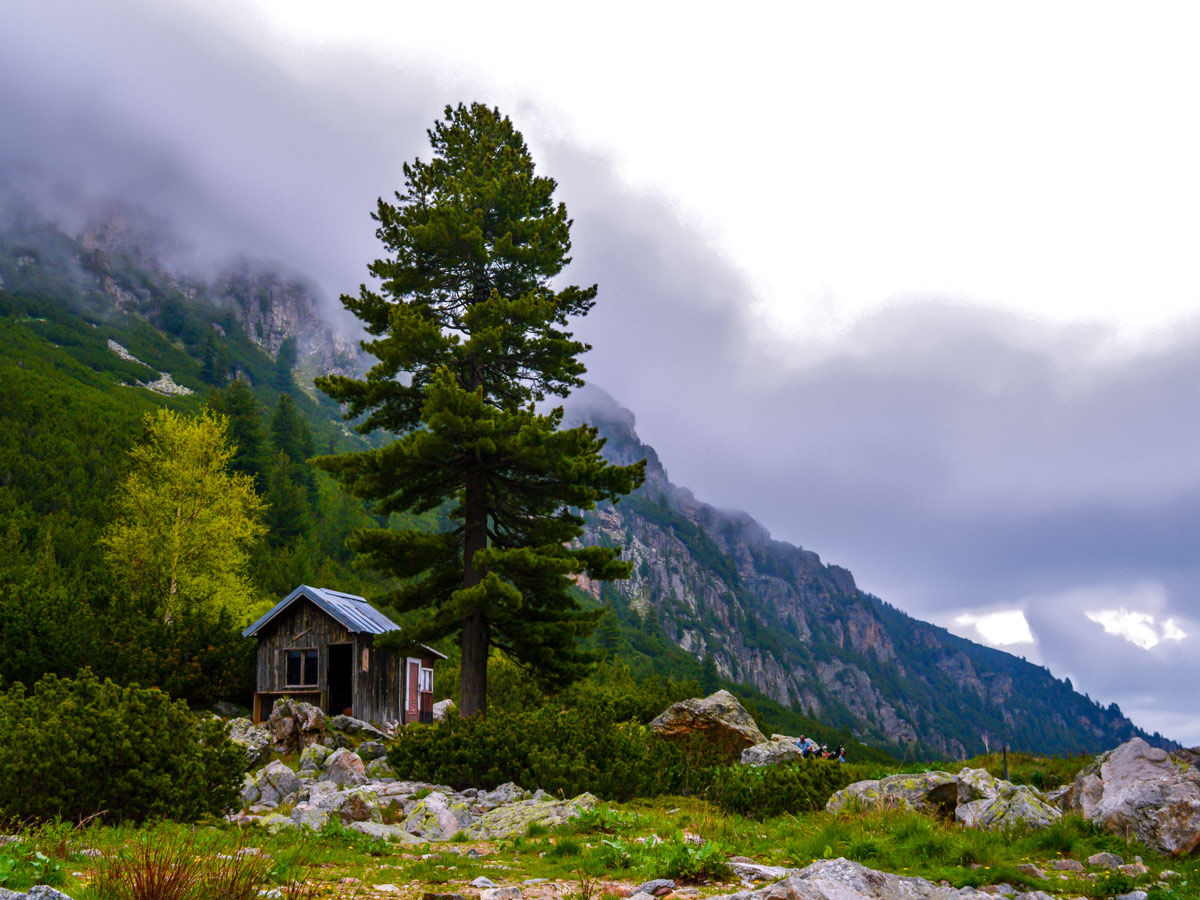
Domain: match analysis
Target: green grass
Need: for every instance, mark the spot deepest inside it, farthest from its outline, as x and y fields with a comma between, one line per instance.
x=684, y=838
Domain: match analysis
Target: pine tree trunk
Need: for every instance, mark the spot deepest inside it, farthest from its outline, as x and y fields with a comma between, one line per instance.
x=473, y=699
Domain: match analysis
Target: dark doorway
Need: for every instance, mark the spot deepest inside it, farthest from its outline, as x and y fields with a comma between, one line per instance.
x=341, y=679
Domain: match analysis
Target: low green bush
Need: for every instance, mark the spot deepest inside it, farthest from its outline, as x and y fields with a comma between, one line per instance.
x=762, y=791
x=75, y=747
x=563, y=751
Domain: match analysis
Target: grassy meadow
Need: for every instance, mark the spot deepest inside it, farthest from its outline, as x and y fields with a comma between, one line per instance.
x=606, y=852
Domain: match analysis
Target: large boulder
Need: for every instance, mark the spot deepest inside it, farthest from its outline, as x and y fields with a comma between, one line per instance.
x=928, y=792
x=1142, y=791
x=718, y=718
x=294, y=725
x=994, y=804
x=513, y=819
x=779, y=749
x=441, y=709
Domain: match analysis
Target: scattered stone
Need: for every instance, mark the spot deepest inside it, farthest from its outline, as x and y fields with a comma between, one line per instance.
x=1106, y=860
x=428, y=895
x=1067, y=865
x=501, y=893
x=255, y=738
x=1031, y=870
x=483, y=882
x=656, y=887
x=841, y=879
x=1132, y=895
x=750, y=872
x=1134, y=868
x=719, y=718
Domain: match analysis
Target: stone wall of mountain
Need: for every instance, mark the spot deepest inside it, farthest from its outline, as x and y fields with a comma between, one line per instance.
x=773, y=615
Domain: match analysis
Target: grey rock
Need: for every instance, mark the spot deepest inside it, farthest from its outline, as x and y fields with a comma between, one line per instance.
x=771, y=753
x=378, y=830
x=749, y=871
x=1106, y=860
x=1132, y=895
x=277, y=782
x=1142, y=791
x=351, y=725
x=309, y=816
x=294, y=725
x=312, y=758
x=841, y=879
x=358, y=805
x=929, y=792
x=441, y=709
x=501, y=893
x=483, y=882
x=1067, y=865
x=655, y=887
x=344, y=767
x=719, y=718
x=255, y=738
x=514, y=819
x=45, y=892
x=437, y=817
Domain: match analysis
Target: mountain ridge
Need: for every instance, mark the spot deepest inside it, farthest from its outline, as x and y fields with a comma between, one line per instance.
x=774, y=616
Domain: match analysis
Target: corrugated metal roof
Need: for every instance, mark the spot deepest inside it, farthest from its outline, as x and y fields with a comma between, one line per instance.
x=353, y=612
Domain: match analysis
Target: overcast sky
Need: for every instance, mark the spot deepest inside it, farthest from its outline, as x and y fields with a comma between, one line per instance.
x=915, y=285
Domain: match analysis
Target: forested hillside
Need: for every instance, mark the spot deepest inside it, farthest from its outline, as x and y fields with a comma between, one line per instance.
x=96, y=331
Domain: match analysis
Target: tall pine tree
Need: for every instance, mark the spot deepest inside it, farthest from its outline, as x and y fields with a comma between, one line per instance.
x=470, y=334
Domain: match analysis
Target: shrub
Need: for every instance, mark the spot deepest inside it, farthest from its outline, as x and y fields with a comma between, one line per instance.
x=763, y=791
x=567, y=751
x=76, y=747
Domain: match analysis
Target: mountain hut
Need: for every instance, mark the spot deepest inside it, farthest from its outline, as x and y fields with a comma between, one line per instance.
x=317, y=645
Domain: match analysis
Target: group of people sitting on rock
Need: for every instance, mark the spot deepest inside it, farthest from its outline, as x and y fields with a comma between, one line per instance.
x=810, y=748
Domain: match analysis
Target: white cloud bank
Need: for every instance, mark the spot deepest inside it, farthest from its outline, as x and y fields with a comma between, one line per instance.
x=1138, y=628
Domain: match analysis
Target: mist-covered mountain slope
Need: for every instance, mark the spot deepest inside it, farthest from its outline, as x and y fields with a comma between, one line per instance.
x=121, y=262
x=772, y=615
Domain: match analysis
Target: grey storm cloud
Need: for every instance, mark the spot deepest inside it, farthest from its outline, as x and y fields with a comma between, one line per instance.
x=955, y=458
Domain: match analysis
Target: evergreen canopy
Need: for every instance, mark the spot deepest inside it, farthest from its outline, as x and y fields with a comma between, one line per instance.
x=470, y=334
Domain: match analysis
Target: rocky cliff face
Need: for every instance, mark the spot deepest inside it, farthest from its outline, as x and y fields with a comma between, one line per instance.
x=774, y=616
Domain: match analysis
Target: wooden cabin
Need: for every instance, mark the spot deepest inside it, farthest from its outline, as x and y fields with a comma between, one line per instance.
x=317, y=645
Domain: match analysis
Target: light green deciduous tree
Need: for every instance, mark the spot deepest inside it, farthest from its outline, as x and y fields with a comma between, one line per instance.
x=183, y=523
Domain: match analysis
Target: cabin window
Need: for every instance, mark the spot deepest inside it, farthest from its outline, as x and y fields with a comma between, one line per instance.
x=425, y=680
x=302, y=667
